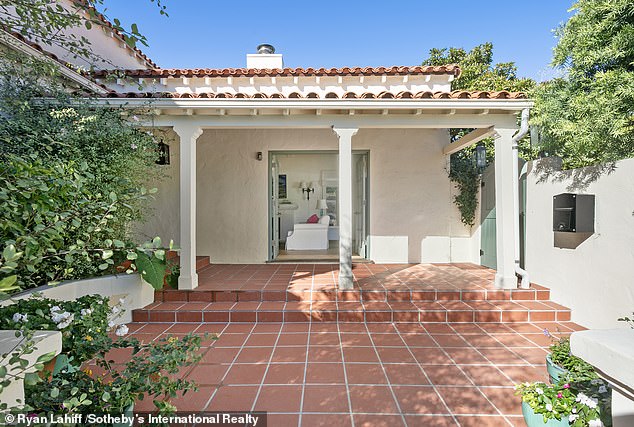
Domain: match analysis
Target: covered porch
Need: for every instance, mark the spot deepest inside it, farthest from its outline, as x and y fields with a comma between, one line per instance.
x=190, y=118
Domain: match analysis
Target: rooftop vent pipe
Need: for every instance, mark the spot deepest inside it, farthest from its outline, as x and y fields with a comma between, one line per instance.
x=266, y=49
x=266, y=58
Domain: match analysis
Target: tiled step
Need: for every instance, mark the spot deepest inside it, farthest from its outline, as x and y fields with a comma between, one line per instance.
x=535, y=293
x=201, y=261
x=354, y=311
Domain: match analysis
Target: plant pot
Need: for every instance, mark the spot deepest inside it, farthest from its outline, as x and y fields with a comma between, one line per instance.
x=537, y=420
x=128, y=412
x=554, y=371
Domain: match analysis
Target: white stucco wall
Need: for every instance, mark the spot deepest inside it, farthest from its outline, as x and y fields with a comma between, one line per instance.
x=412, y=216
x=594, y=279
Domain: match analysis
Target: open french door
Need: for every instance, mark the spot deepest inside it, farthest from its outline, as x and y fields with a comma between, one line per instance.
x=275, y=221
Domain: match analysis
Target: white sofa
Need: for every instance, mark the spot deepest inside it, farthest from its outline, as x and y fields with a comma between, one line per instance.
x=309, y=236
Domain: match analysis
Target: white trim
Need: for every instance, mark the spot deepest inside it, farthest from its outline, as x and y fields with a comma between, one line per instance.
x=468, y=140
x=20, y=46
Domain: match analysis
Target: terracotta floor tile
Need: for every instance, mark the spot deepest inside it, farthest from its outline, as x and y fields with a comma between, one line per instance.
x=504, y=399
x=354, y=339
x=292, y=339
x=324, y=354
x=285, y=373
x=261, y=340
x=254, y=355
x=387, y=340
x=366, y=373
x=360, y=354
x=430, y=356
x=245, y=374
x=233, y=398
x=419, y=400
x=325, y=398
x=325, y=373
x=395, y=355
x=486, y=375
x=324, y=338
x=231, y=340
x=431, y=421
x=220, y=355
x=466, y=356
x=418, y=340
x=320, y=420
x=279, y=398
x=450, y=340
x=446, y=375
x=192, y=400
x=289, y=354
x=466, y=400
x=478, y=421
x=405, y=374
x=371, y=420
x=372, y=400
x=520, y=374
x=208, y=374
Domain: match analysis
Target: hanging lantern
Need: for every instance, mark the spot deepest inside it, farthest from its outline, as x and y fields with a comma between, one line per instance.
x=480, y=157
x=164, y=154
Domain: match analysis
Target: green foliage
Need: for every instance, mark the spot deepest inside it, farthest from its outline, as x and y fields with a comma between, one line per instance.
x=47, y=22
x=478, y=73
x=582, y=403
x=84, y=328
x=72, y=183
x=576, y=367
x=86, y=323
x=585, y=117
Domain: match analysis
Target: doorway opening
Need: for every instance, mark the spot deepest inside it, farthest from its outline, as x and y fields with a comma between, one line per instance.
x=304, y=206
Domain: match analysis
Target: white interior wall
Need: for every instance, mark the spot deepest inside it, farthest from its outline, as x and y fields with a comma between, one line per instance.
x=308, y=168
x=412, y=216
x=595, y=279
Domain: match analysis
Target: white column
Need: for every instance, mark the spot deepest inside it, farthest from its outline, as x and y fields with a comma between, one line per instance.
x=504, y=220
x=345, y=205
x=188, y=135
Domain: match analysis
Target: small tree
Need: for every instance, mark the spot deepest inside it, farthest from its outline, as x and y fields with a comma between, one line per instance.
x=478, y=73
x=586, y=116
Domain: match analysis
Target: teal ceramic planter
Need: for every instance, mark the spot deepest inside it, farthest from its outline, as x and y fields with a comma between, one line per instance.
x=537, y=420
x=555, y=372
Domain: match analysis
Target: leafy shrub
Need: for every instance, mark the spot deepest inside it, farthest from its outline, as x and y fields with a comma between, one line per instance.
x=561, y=355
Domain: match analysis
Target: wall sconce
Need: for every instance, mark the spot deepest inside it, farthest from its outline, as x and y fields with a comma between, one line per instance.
x=307, y=188
x=322, y=206
x=259, y=156
x=164, y=154
x=480, y=155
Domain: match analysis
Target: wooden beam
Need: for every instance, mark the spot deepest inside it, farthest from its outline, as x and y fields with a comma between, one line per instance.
x=469, y=139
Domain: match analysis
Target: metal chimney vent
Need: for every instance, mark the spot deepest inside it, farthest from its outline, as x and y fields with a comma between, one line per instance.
x=266, y=49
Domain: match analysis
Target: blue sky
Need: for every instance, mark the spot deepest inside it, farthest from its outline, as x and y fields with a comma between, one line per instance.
x=218, y=34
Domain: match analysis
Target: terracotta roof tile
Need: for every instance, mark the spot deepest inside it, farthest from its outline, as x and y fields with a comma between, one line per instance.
x=252, y=72
x=458, y=94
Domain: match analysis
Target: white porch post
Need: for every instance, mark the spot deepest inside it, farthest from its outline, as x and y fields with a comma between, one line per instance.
x=188, y=135
x=505, y=236
x=345, y=205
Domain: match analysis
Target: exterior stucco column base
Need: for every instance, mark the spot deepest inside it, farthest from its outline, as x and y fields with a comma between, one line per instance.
x=345, y=206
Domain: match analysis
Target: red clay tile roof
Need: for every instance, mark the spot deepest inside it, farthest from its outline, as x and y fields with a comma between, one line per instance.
x=255, y=72
x=457, y=94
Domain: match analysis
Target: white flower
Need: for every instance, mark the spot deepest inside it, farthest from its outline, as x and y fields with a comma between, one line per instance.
x=595, y=423
x=581, y=398
x=86, y=312
x=133, y=146
x=121, y=330
x=603, y=389
x=572, y=418
x=595, y=381
x=115, y=310
x=592, y=403
x=66, y=322
x=121, y=301
x=17, y=317
x=135, y=118
x=549, y=407
x=539, y=390
x=111, y=323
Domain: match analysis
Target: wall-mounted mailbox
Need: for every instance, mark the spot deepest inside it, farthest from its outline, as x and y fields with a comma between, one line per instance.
x=573, y=213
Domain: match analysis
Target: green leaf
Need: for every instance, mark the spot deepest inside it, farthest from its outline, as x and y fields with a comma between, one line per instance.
x=105, y=396
x=3, y=371
x=31, y=378
x=103, y=266
x=54, y=392
x=152, y=270
x=107, y=254
x=6, y=284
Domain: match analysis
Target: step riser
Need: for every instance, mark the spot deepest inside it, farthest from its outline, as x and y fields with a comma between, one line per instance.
x=352, y=296
x=154, y=316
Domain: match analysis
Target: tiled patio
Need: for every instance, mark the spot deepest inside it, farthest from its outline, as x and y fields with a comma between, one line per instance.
x=362, y=374
x=414, y=344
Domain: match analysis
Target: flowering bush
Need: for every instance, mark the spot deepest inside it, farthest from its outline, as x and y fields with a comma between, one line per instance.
x=583, y=404
x=83, y=322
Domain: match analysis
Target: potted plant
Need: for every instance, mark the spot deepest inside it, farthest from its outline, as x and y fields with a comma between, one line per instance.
x=579, y=404
x=560, y=362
